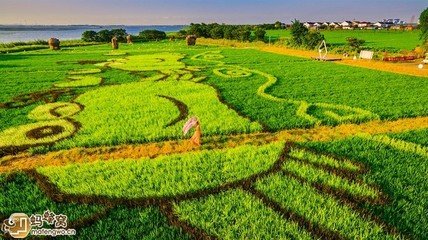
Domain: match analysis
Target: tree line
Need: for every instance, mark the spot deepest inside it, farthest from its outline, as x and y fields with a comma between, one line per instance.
x=121, y=34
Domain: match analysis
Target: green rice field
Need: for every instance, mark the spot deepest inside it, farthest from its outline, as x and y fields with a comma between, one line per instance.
x=83, y=100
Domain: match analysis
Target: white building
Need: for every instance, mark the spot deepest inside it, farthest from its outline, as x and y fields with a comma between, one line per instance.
x=364, y=24
x=383, y=24
x=334, y=25
x=346, y=25
x=308, y=24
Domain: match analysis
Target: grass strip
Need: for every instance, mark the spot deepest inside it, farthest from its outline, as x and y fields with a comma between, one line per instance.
x=319, y=209
x=165, y=175
x=318, y=176
x=235, y=214
x=323, y=160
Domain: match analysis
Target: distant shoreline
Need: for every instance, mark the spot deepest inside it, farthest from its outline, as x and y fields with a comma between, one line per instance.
x=74, y=27
x=25, y=33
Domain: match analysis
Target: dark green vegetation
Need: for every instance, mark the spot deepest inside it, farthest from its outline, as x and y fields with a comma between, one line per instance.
x=132, y=223
x=218, y=31
x=302, y=37
x=423, y=21
x=152, y=35
x=19, y=192
x=105, y=36
x=400, y=175
x=238, y=215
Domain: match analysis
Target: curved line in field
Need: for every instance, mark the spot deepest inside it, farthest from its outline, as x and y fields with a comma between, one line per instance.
x=356, y=114
x=182, y=107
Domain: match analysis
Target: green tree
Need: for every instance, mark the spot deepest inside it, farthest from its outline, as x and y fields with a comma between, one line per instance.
x=89, y=36
x=104, y=36
x=119, y=33
x=260, y=33
x=217, y=32
x=244, y=34
x=230, y=32
x=152, y=35
x=355, y=42
x=182, y=33
x=423, y=21
x=198, y=29
x=298, y=32
x=313, y=39
x=278, y=25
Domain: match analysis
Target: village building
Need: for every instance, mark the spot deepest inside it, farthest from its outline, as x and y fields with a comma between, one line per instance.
x=346, y=25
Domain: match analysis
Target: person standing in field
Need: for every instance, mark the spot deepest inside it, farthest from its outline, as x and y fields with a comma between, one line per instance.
x=193, y=123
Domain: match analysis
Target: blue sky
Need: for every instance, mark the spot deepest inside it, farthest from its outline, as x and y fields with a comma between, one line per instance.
x=185, y=11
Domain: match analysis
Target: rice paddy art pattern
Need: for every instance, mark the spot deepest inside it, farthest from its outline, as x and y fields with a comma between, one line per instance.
x=337, y=113
x=327, y=184
x=54, y=119
x=109, y=150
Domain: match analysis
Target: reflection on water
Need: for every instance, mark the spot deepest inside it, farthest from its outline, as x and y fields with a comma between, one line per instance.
x=28, y=34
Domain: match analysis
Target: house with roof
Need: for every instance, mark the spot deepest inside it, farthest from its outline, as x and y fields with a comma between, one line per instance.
x=308, y=24
x=334, y=25
x=346, y=25
x=317, y=24
x=383, y=24
x=364, y=24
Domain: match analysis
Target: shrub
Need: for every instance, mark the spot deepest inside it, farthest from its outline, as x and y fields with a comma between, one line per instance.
x=89, y=36
x=355, y=42
x=217, y=32
x=104, y=36
x=230, y=32
x=198, y=29
x=312, y=39
x=298, y=32
x=260, y=34
x=244, y=34
x=119, y=33
x=152, y=35
x=423, y=20
x=181, y=34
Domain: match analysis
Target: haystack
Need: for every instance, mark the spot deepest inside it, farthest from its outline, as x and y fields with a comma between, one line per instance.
x=114, y=43
x=129, y=39
x=191, y=40
x=54, y=43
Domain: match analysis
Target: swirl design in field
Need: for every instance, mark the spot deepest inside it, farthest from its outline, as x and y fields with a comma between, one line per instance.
x=54, y=123
x=232, y=72
x=335, y=112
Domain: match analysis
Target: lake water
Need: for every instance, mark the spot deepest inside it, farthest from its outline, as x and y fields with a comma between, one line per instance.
x=29, y=33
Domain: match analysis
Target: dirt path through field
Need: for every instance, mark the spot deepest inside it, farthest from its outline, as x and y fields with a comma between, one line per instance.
x=322, y=133
x=400, y=68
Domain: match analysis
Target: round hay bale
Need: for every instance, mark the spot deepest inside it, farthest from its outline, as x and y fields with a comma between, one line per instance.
x=191, y=40
x=114, y=43
x=129, y=39
x=54, y=43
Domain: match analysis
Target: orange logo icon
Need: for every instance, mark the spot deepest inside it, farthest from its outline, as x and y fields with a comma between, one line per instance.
x=17, y=225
